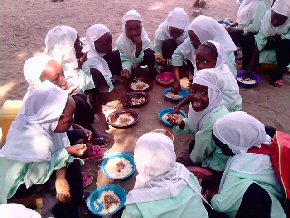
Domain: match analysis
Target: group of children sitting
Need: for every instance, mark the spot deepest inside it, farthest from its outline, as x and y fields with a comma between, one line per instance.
x=38, y=156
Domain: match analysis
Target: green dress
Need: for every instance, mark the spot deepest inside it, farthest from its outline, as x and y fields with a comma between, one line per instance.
x=205, y=150
x=187, y=204
x=15, y=173
x=236, y=184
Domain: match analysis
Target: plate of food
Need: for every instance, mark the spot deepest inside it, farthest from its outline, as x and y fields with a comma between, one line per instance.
x=163, y=115
x=165, y=132
x=123, y=118
x=140, y=83
x=106, y=200
x=118, y=166
x=165, y=78
x=175, y=97
x=135, y=99
x=250, y=82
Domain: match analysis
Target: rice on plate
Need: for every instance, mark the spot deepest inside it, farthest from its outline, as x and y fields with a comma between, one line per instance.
x=118, y=167
x=110, y=201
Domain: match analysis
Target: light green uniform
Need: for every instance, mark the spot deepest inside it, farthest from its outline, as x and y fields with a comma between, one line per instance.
x=187, y=204
x=15, y=173
x=236, y=184
x=205, y=150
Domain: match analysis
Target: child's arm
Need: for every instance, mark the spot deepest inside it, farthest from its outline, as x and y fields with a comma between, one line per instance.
x=177, y=62
x=138, y=42
x=184, y=102
x=63, y=193
x=254, y=27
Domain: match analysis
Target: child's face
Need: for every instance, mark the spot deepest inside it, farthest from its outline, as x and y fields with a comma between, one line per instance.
x=205, y=58
x=78, y=48
x=175, y=32
x=194, y=39
x=133, y=29
x=199, y=97
x=104, y=44
x=277, y=19
x=66, y=119
x=225, y=149
x=53, y=72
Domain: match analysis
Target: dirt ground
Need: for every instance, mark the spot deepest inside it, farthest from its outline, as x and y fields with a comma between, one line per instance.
x=24, y=25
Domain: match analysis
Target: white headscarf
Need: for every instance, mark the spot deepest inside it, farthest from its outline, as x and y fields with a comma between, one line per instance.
x=207, y=28
x=160, y=176
x=59, y=44
x=31, y=137
x=197, y=119
x=177, y=18
x=125, y=44
x=240, y=131
x=226, y=82
x=33, y=68
x=95, y=59
x=247, y=10
x=17, y=211
x=281, y=7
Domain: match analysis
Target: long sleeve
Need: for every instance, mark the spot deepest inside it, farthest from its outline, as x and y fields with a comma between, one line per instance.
x=158, y=47
x=185, y=130
x=177, y=57
x=254, y=27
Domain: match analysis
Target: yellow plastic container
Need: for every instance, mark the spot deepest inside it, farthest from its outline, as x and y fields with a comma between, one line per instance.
x=8, y=113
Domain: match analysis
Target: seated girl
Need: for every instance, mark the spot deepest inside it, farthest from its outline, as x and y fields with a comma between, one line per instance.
x=202, y=29
x=163, y=188
x=41, y=68
x=35, y=157
x=171, y=33
x=134, y=45
x=210, y=55
x=249, y=187
x=248, y=24
x=206, y=106
x=274, y=36
x=102, y=62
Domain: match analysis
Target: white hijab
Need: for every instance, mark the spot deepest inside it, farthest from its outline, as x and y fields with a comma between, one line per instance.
x=17, y=211
x=281, y=7
x=31, y=137
x=207, y=28
x=95, y=59
x=226, y=82
x=247, y=10
x=160, y=176
x=240, y=131
x=177, y=18
x=197, y=119
x=59, y=44
x=125, y=44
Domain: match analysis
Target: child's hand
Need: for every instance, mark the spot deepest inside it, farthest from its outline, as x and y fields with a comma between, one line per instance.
x=88, y=133
x=137, y=40
x=175, y=120
x=77, y=150
x=125, y=73
x=72, y=89
x=62, y=190
x=176, y=109
x=159, y=60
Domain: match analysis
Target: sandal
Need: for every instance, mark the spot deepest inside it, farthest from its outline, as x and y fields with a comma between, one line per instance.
x=87, y=179
x=278, y=83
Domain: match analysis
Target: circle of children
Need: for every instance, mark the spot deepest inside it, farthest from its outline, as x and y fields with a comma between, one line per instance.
x=39, y=156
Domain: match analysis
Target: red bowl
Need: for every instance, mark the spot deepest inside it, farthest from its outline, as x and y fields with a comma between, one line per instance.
x=165, y=79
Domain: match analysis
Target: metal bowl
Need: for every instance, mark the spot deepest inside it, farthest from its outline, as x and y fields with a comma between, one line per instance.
x=128, y=97
x=112, y=118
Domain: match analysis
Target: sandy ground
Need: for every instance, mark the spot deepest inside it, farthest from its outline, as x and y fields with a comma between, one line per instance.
x=24, y=25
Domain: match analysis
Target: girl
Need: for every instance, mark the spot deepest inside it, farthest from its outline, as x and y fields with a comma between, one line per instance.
x=206, y=106
x=210, y=55
x=134, y=45
x=99, y=39
x=163, y=188
x=171, y=33
x=35, y=156
x=249, y=187
x=274, y=35
x=249, y=19
x=202, y=29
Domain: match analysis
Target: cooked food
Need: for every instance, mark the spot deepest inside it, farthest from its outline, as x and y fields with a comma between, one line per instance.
x=124, y=119
x=118, y=167
x=110, y=201
x=173, y=96
x=139, y=85
x=247, y=81
x=137, y=101
x=165, y=117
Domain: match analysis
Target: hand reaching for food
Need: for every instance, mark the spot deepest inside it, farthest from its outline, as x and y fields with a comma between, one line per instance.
x=77, y=150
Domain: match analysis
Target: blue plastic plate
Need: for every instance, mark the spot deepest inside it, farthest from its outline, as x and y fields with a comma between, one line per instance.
x=93, y=198
x=168, y=111
x=254, y=76
x=183, y=92
x=118, y=155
